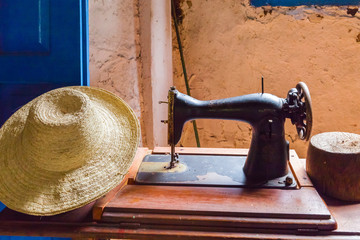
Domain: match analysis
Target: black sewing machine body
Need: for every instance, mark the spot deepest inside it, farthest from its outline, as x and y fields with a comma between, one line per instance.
x=266, y=164
x=268, y=154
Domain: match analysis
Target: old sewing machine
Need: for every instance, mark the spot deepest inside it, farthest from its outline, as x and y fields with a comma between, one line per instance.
x=226, y=190
x=267, y=162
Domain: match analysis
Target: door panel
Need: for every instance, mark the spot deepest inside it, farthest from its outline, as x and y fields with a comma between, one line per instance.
x=28, y=33
x=43, y=45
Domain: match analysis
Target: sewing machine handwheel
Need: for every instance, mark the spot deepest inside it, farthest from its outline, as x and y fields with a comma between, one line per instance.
x=304, y=126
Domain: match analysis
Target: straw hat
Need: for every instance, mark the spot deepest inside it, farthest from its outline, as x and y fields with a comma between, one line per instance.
x=64, y=149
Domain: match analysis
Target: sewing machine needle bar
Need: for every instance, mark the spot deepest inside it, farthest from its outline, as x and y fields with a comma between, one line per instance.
x=172, y=162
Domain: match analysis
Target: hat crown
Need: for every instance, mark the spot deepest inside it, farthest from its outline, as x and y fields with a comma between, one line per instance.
x=56, y=136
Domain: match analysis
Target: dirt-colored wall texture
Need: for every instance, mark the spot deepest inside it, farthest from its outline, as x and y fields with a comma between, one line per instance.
x=229, y=45
x=127, y=58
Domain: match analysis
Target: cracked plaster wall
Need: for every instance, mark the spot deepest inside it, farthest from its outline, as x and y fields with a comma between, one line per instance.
x=115, y=48
x=130, y=55
x=229, y=45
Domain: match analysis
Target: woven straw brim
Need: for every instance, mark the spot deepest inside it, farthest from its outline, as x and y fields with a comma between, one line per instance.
x=26, y=188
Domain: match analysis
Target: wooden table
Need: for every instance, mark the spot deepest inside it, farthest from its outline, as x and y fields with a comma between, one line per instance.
x=83, y=222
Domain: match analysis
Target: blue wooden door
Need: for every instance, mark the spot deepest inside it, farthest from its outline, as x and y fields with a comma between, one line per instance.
x=43, y=45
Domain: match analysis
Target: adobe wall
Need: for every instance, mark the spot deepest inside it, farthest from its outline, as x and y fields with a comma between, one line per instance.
x=131, y=56
x=229, y=45
x=115, y=49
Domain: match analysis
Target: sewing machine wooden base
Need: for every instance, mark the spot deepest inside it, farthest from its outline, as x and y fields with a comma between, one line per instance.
x=213, y=208
x=165, y=212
